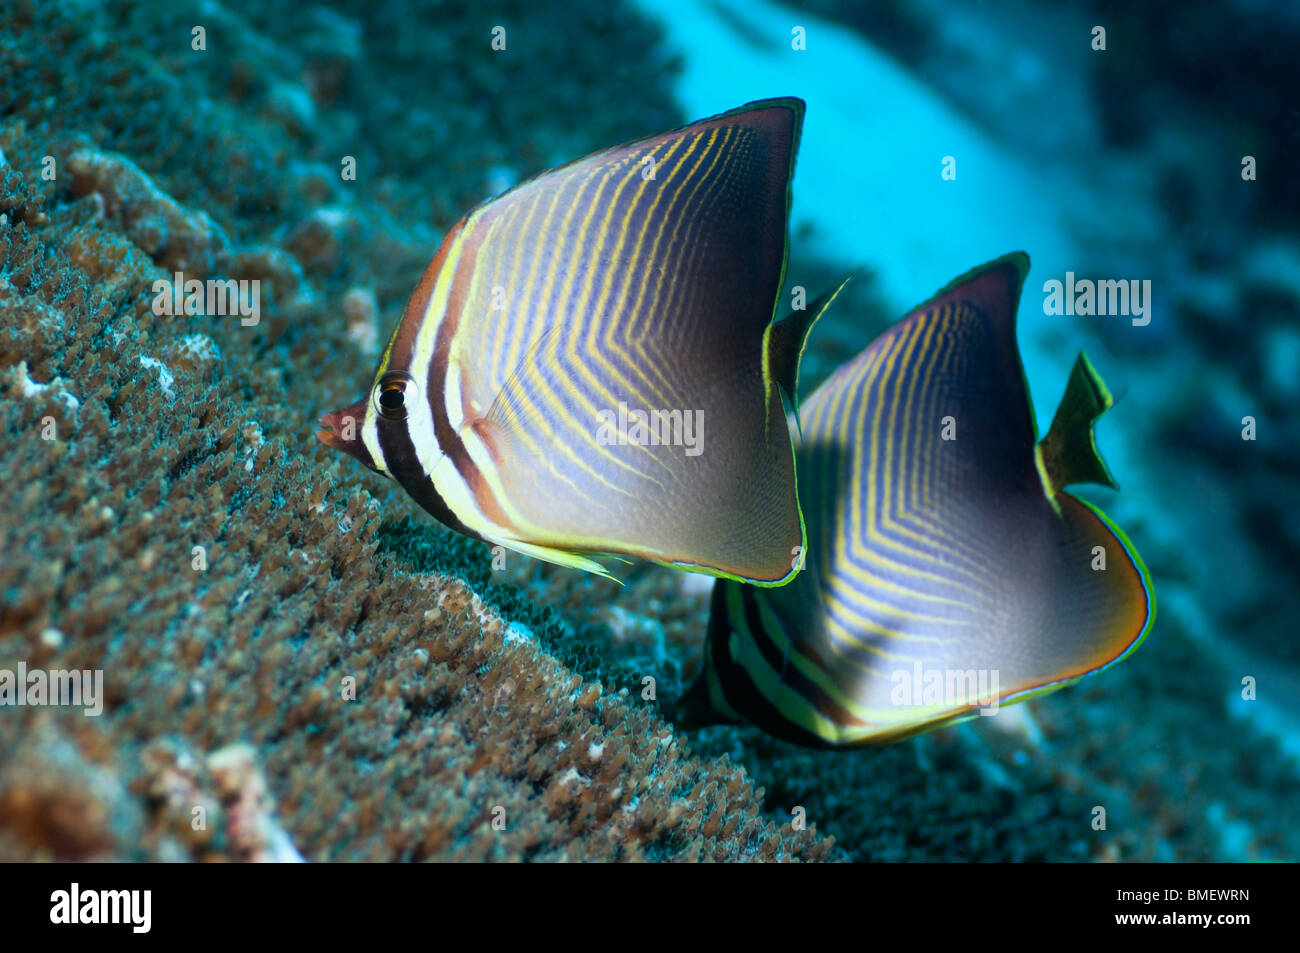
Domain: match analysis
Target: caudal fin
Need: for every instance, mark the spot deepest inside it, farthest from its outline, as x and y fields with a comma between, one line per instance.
x=1068, y=454
x=786, y=340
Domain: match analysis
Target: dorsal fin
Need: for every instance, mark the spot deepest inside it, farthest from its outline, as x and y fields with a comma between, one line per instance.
x=786, y=340
x=1068, y=454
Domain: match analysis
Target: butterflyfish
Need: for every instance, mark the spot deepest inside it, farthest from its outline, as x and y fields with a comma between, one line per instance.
x=590, y=364
x=948, y=571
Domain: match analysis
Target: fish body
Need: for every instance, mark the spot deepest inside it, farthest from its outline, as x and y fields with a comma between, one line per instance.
x=587, y=365
x=948, y=571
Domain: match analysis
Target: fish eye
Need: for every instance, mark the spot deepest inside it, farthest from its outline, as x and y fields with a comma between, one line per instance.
x=391, y=395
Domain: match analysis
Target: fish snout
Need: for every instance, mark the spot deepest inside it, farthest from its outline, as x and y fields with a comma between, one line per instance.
x=342, y=431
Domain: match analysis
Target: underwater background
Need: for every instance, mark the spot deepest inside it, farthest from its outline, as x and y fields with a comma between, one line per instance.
x=170, y=519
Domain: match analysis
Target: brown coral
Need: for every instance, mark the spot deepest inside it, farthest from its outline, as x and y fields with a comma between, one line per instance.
x=176, y=238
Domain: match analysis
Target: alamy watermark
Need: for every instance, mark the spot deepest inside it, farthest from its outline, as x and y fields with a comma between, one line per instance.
x=1122, y=298
x=949, y=687
x=131, y=908
x=216, y=296
x=73, y=688
x=652, y=428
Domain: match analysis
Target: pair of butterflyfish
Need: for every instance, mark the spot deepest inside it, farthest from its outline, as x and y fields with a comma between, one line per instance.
x=896, y=553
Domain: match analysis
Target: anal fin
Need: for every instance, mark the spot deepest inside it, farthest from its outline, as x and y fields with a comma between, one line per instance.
x=558, y=557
